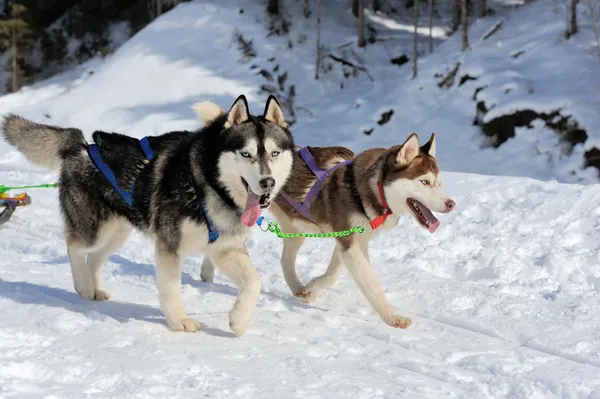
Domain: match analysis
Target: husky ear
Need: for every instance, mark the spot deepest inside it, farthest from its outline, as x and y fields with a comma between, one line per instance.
x=409, y=150
x=207, y=111
x=429, y=147
x=273, y=112
x=238, y=113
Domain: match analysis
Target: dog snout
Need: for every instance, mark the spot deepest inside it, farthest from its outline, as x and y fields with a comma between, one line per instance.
x=267, y=184
x=450, y=204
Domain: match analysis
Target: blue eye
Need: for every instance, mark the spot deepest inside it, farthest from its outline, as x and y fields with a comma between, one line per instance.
x=425, y=182
x=274, y=153
x=245, y=154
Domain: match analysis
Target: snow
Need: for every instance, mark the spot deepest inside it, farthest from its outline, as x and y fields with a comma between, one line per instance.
x=504, y=297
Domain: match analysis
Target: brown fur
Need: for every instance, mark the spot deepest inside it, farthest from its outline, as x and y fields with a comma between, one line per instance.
x=346, y=192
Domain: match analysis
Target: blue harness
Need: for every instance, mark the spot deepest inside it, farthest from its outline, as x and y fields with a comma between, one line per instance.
x=127, y=196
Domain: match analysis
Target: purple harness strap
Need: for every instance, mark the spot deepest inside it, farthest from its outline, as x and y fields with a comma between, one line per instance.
x=304, y=207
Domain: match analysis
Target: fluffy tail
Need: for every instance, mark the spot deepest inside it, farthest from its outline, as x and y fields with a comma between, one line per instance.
x=43, y=145
x=207, y=111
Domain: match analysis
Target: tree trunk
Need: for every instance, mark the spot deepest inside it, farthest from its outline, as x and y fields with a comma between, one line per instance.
x=361, y=23
x=318, y=59
x=15, y=65
x=573, y=18
x=465, y=25
x=482, y=8
x=431, y=26
x=273, y=7
x=416, y=23
x=306, y=8
x=594, y=26
x=158, y=8
x=455, y=15
x=376, y=4
x=151, y=9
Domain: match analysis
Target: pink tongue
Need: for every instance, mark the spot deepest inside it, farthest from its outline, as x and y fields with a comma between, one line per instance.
x=252, y=210
x=432, y=220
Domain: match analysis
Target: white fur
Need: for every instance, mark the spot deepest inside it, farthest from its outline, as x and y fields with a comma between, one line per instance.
x=430, y=195
x=279, y=165
x=87, y=274
x=207, y=111
x=356, y=259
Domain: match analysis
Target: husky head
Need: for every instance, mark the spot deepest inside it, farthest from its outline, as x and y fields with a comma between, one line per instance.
x=257, y=153
x=412, y=182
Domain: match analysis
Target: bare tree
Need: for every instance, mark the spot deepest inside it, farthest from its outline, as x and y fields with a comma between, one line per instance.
x=573, y=18
x=318, y=59
x=376, y=5
x=431, y=26
x=594, y=26
x=361, y=23
x=465, y=25
x=416, y=36
x=158, y=7
x=455, y=15
x=306, y=8
x=482, y=8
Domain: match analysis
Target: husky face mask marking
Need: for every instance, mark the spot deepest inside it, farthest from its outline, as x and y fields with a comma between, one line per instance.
x=258, y=156
x=413, y=184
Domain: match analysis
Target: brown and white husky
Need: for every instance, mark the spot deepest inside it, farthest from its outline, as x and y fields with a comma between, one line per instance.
x=333, y=189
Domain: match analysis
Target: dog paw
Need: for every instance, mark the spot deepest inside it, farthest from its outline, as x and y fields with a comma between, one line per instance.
x=238, y=321
x=186, y=325
x=398, y=321
x=101, y=295
x=307, y=296
x=86, y=292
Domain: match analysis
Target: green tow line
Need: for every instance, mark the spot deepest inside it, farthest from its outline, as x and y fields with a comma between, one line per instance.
x=4, y=189
x=273, y=227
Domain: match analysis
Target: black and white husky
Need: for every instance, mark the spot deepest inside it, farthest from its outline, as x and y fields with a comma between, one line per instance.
x=189, y=191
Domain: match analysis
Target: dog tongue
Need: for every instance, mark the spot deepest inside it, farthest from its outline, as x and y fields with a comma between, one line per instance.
x=432, y=220
x=252, y=210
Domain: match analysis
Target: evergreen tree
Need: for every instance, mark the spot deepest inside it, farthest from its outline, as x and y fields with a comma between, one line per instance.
x=15, y=34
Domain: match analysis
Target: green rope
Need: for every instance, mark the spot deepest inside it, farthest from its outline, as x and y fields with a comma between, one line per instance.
x=4, y=189
x=274, y=228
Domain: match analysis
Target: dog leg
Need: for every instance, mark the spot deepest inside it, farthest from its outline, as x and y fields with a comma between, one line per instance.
x=82, y=278
x=312, y=289
x=364, y=276
x=288, y=264
x=115, y=238
x=237, y=266
x=208, y=270
x=168, y=281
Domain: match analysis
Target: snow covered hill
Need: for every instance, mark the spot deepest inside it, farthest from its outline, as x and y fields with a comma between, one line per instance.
x=504, y=297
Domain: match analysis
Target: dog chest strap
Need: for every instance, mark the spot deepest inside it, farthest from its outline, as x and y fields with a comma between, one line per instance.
x=110, y=176
x=304, y=207
x=213, y=234
x=145, y=144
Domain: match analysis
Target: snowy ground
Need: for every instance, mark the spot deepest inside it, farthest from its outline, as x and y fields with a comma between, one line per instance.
x=505, y=296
